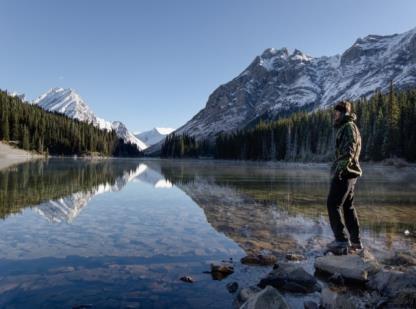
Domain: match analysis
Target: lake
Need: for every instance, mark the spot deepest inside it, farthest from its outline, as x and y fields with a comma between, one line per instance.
x=121, y=232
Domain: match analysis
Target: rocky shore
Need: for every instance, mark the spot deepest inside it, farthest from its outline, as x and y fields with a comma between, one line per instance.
x=356, y=280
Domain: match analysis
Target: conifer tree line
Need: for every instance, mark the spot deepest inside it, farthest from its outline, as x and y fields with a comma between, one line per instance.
x=34, y=129
x=387, y=123
x=182, y=146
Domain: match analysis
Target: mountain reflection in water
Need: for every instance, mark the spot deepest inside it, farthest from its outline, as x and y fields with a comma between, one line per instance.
x=121, y=232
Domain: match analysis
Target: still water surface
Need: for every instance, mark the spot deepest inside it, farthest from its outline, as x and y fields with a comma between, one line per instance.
x=120, y=233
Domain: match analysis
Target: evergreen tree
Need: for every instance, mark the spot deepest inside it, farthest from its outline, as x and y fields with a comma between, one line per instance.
x=36, y=129
x=25, y=138
x=5, y=125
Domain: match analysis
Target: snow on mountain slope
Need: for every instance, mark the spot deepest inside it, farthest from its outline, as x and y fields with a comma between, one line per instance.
x=279, y=81
x=154, y=136
x=21, y=96
x=127, y=136
x=69, y=103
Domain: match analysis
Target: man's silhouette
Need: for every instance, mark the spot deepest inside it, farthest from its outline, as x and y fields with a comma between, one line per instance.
x=344, y=173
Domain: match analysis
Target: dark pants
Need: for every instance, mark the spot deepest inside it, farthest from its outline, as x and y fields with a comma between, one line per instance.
x=340, y=203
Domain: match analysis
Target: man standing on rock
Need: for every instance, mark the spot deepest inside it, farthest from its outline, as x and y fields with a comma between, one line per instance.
x=344, y=173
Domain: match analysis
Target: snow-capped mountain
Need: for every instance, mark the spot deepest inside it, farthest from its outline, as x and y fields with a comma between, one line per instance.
x=126, y=135
x=279, y=81
x=154, y=136
x=69, y=103
x=21, y=96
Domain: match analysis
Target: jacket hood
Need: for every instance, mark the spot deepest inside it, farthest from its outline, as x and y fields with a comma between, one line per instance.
x=350, y=117
x=346, y=118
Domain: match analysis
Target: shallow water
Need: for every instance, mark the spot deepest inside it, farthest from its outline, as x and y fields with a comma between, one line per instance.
x=120, y=233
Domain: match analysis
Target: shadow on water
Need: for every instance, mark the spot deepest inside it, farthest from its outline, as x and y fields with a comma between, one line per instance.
x=150, y=222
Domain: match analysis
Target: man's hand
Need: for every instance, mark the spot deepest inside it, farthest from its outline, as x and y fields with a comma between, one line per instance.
x=341, y=168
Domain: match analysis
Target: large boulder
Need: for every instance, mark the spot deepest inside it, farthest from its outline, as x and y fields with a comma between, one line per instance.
x=268, y=298
x=390, y=282
x=292, y=278
x=350, y=267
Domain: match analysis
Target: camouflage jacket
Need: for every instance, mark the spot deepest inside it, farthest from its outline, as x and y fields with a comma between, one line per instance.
x=347, y=149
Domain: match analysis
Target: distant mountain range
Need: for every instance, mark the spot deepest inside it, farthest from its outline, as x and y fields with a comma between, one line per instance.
x=154, y=136
x=69, y=103
x=279, y=82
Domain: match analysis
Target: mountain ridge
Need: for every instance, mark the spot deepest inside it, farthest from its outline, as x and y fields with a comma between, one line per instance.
x=68, y=102
x=153, y=136
x=279, y=81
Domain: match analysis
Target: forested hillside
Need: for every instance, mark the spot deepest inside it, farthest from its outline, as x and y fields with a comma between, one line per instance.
x=387, y=123
x=33, y=128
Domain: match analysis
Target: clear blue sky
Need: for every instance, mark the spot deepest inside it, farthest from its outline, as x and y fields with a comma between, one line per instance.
x=154, y=63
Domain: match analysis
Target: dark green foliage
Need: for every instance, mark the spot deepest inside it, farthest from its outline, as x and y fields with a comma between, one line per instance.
x=185, y=146
x=302, y=136
x=36, y=129
x=387, y=124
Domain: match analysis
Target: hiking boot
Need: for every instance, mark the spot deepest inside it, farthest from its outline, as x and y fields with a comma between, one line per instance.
x=338, y=247
x=356, y=246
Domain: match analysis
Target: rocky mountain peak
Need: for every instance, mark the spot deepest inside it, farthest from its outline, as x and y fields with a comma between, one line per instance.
x=279, y=81
x=68, y=102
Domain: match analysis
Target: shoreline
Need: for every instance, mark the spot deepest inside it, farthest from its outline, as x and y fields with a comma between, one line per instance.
x=10, y=156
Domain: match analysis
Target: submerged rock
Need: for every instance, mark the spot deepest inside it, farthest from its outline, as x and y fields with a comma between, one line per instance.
x=292, y=278
x=232, y=287
x=246, y=293
x=309, y=304
x=333, y=300
x=187, y=279
x=221, y=270
x=345, y=298
x=83, y=306
x=268, y=298
x=350, y=267
x=259, y=259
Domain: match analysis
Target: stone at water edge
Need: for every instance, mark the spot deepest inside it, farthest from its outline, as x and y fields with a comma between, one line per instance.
x=295, y=257
x=187, y=279
x=336, y=279
x=221, y=270
x=232, y=287
x=351, y=267
x=246, y=293
x=390, y=282
x=259, y=259
x=401, y=259
x=291, y=277
x=268, y=298
x=309, y=304
x=334, y=300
